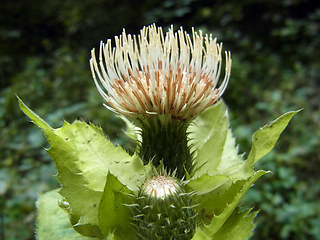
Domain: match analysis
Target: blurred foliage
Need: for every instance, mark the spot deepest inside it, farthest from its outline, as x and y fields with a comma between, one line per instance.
x=275, y=45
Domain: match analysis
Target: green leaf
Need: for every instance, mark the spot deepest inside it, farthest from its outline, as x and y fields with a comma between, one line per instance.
x=266, y=137
x=83, y=157
x=200, y=235
x=225, y=204
x=238, y=227
x=217, y=153
x=232, y=164
x=207, y=183
x=114, y=215
x=207, y=139
x=95, y=156
x=53, y=222
x=34, y=117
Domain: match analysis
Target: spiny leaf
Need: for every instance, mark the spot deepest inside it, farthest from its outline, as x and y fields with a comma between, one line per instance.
x=207, y=183
x=238, y=227
x=95, y=155
x=83, y=157
x=34, y=117
x=201, y=235
x=53, y=222
x=217, y=153
x=219, y=219
x=65, y=153
x=207, y=136
x=114, y=216
x=266, y=137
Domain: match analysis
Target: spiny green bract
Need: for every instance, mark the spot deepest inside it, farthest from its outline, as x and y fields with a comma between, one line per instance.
x=165, y=212
x=166, y=140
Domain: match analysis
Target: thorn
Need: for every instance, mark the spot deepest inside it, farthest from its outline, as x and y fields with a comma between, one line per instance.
x=131, y=205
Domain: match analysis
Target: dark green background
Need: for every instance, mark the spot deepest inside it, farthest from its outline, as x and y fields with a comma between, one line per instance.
x=44, y=52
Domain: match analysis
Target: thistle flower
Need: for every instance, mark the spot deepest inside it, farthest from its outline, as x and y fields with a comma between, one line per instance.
x=173, y=74
x=161, y=82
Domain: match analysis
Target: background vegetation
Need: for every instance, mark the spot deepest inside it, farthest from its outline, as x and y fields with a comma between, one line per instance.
x=44, y=51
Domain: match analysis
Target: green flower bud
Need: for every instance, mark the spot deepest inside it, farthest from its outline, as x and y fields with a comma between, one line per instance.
x=164, y=210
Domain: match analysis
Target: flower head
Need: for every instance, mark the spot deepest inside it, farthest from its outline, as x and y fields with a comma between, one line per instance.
x=154, y=73
x=161, y=187
x=164, y=210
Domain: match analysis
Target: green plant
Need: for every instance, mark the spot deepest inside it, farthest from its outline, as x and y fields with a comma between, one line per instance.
x=189, y=179
x=86, y=160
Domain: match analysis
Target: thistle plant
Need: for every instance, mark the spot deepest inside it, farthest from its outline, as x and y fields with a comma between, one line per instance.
x=186, y=178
